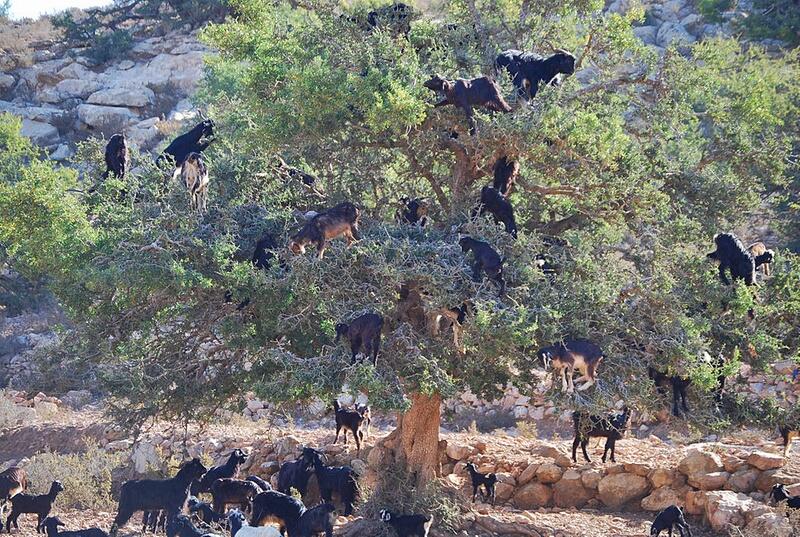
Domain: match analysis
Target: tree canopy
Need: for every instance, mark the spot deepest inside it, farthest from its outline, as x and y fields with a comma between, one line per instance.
x=628, y=169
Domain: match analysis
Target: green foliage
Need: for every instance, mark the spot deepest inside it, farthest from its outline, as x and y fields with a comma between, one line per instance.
x=712, y=10
x=775, y=19
x=624, y=182
x=87, y=477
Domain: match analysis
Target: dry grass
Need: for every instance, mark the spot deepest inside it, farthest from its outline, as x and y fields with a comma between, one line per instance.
x=18, y=39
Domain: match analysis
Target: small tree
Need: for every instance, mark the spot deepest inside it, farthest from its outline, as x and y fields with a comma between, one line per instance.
x=627, y=171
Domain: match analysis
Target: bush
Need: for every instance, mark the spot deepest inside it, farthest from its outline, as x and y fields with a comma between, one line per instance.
x=87, y=477
x=774, y=19
x=11, y=415
x=111, y=46
x=712, y=9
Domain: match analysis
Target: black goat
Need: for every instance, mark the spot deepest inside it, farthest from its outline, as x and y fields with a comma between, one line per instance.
x=493, y=202
x=263, y=254
x=586, y=426
x=317, y=520
x=349, y=420
x=780, y=494
x=52, y=523
x=528, y=70
x=486, y=260
x=505, y=175
x=260, y=482
x=117, y=159
x=169, y=495
x=666, y=519
x=40, y=505
x=733, y=256
x=408, y=525
x=341, y=479
x=364, y=335
x=272, y=506
x=294, y=475
x=181, y=526
x=230, y=469
x=487, y=481
x=233, y=491
x=203, y=511
x=678, y=385
x=190, y=142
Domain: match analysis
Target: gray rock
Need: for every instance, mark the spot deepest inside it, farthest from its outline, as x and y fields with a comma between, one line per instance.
x=6, y=81
x=76, y=399
x=40, y=133
x=672, y=33
x=135, y=97
x=62, y=152
x=124, y=65
x=70, y=88
x=693, y=24
x=647, y=34
x=105, y=116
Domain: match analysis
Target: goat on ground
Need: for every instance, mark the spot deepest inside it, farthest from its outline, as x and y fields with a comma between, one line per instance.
x=169, y=495
x=364, y=335
x=762, y=256
x=408, y=525
x=294, y=475
x=203, y=511
x=349, y=420
x=780, y=494
x=190, y=142
x=260, y=482
x=678, y=385
x=40, y=505
x=317, y=520
x=240, y=528
x=611, y=427
x=275, y=507
x=571, y=354
x=341, y=479
x=670, y=517
x=366, y=413
x=52, y=523
x=341, y=219
x=181, y=526
x=487, y=481
x=230, y=469
x=233, y=491
x=788, y=434
x=12, y=481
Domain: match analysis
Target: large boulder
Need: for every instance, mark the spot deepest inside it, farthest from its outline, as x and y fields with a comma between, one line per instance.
x=700, y=462
x=458, y=452
x=182, y=71
x=6, y=82
x=72, y=88
x=527, y=474
x=709, y=481
x=743, y=481
x=724, y=508
x=532, y=496
x=39, y=133
x=548, y=473
x=661, y=477
x=771, y=524
x=770, y=478
x=97, y=116
x=673, y=33
x=133, y=96
x=570, y=492
x=618, y=489
x=765, y=461
x=660, y=499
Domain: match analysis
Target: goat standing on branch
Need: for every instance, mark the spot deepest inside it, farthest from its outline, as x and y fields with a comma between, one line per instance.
x=194, y=174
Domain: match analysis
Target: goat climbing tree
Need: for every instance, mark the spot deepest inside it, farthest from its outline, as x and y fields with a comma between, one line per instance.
x=620, y=187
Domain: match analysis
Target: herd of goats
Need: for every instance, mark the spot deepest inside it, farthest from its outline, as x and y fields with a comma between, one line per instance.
x=173, y=505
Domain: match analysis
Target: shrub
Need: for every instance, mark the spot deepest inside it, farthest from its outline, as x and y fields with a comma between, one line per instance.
x=712, y=9
x=10, y=414
x=87, y=476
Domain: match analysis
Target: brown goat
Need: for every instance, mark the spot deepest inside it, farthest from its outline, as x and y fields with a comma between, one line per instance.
x=194, y=174
x=339, y=220
x=573, y=354
x=468, y=93
x=12, y=482
x=228, y=490
x=762, y=256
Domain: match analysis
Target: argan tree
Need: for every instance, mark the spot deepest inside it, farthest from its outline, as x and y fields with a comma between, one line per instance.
x=628, y=168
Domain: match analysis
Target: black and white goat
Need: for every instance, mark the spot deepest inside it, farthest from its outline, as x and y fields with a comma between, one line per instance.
x=780, y=494
x=349, y=420
x=611, y=427
x=487, y=481
x=408, y=525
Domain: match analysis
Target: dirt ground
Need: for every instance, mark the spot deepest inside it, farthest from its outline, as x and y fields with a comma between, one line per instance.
x=660, y=447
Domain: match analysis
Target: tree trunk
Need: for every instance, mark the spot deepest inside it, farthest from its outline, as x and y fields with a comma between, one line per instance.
x=415, y=442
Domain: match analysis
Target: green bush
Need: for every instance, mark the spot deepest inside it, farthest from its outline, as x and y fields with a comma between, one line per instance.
x=776, y=19
x=712, y=9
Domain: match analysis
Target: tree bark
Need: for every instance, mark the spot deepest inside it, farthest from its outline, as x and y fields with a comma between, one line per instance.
x=414, y=444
